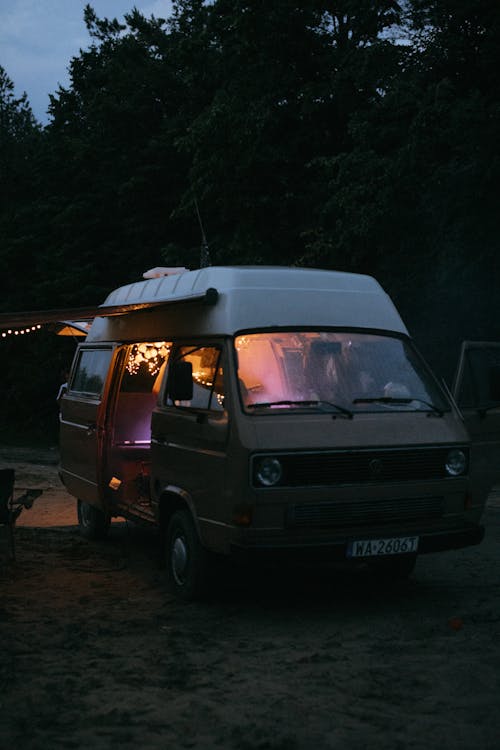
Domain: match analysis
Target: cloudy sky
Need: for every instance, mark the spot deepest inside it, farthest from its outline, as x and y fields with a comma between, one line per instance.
x=38, y=38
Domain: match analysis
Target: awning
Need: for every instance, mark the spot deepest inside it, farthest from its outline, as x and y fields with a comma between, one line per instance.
x=72, y=327
x=72, y=315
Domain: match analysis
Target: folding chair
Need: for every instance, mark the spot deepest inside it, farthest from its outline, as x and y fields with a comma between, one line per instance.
x=7, y=519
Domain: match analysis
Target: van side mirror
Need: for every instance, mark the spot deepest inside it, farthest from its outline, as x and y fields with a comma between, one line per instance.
x=180, y=381
x=494, y=383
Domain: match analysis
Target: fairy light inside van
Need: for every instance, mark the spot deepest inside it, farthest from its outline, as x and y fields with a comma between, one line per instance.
x=151, y=355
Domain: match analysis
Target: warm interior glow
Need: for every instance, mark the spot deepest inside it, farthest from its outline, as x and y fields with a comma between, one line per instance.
x=152, y=355
x=353, y=370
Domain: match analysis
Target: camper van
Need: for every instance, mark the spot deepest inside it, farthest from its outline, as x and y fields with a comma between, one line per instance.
x=261, y=413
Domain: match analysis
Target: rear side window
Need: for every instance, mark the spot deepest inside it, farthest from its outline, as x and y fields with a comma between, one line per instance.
x=91, y=370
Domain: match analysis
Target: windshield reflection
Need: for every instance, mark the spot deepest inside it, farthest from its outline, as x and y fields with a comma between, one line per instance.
x=347, y=372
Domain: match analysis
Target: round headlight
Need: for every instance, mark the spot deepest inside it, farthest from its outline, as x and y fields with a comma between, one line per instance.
x=268, y=471
x=455, y=462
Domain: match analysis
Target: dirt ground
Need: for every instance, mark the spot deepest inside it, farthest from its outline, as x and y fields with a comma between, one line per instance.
x=95, y=653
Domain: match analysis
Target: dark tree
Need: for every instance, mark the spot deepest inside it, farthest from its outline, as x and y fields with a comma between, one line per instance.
x=361, y=135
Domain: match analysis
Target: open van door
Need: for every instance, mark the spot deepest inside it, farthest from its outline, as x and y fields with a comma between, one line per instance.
x=477, y=392
x=83, y=423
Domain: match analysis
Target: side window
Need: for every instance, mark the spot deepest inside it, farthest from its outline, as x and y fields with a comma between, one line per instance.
x=91, y=370
x=207, y=377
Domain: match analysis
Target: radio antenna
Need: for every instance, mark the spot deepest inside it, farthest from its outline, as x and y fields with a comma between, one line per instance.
x=204, y=252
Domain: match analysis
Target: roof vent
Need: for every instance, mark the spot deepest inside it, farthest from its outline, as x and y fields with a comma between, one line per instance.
x=159, y=271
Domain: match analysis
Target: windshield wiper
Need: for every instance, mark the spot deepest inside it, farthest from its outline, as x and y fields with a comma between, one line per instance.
x=265, y=404
x=398, y=400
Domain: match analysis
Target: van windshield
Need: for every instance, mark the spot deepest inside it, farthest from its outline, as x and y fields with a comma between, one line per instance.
x=342, y=372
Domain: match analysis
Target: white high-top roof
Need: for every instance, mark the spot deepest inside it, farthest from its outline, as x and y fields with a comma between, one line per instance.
x=224, y=300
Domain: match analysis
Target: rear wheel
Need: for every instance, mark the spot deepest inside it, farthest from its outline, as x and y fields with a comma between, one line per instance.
x=93, y=522
x=187, y=560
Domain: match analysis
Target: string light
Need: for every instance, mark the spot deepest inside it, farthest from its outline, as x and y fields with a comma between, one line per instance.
x=20, y=331
x=152, y=355
x=242, y=343
x=202, y=379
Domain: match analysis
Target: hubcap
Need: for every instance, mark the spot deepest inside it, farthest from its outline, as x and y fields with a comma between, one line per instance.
x=179, y=558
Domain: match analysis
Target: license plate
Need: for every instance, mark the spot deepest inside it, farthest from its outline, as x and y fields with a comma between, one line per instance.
x=375, y=547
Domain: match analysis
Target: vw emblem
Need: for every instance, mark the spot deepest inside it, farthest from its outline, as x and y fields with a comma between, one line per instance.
x=375, y=467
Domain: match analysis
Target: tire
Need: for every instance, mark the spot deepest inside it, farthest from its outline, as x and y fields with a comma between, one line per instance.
x=93, y=522
x=187, y=561
x=394, y=568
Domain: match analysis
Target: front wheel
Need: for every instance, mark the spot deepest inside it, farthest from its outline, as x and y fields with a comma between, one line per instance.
x=187, y=560
x=93, y=522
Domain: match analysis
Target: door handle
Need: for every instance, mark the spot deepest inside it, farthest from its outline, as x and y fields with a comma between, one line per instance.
x=91, y=430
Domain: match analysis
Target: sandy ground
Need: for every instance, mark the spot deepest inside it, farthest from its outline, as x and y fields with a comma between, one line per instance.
x=95, y=653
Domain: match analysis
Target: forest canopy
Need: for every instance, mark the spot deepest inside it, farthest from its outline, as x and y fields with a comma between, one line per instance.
x=360, y=136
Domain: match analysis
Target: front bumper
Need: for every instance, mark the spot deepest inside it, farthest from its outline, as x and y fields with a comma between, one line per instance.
x=335, y=551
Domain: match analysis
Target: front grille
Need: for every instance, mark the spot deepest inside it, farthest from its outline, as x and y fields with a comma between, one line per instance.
x=365, y=512
x=327, y=468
